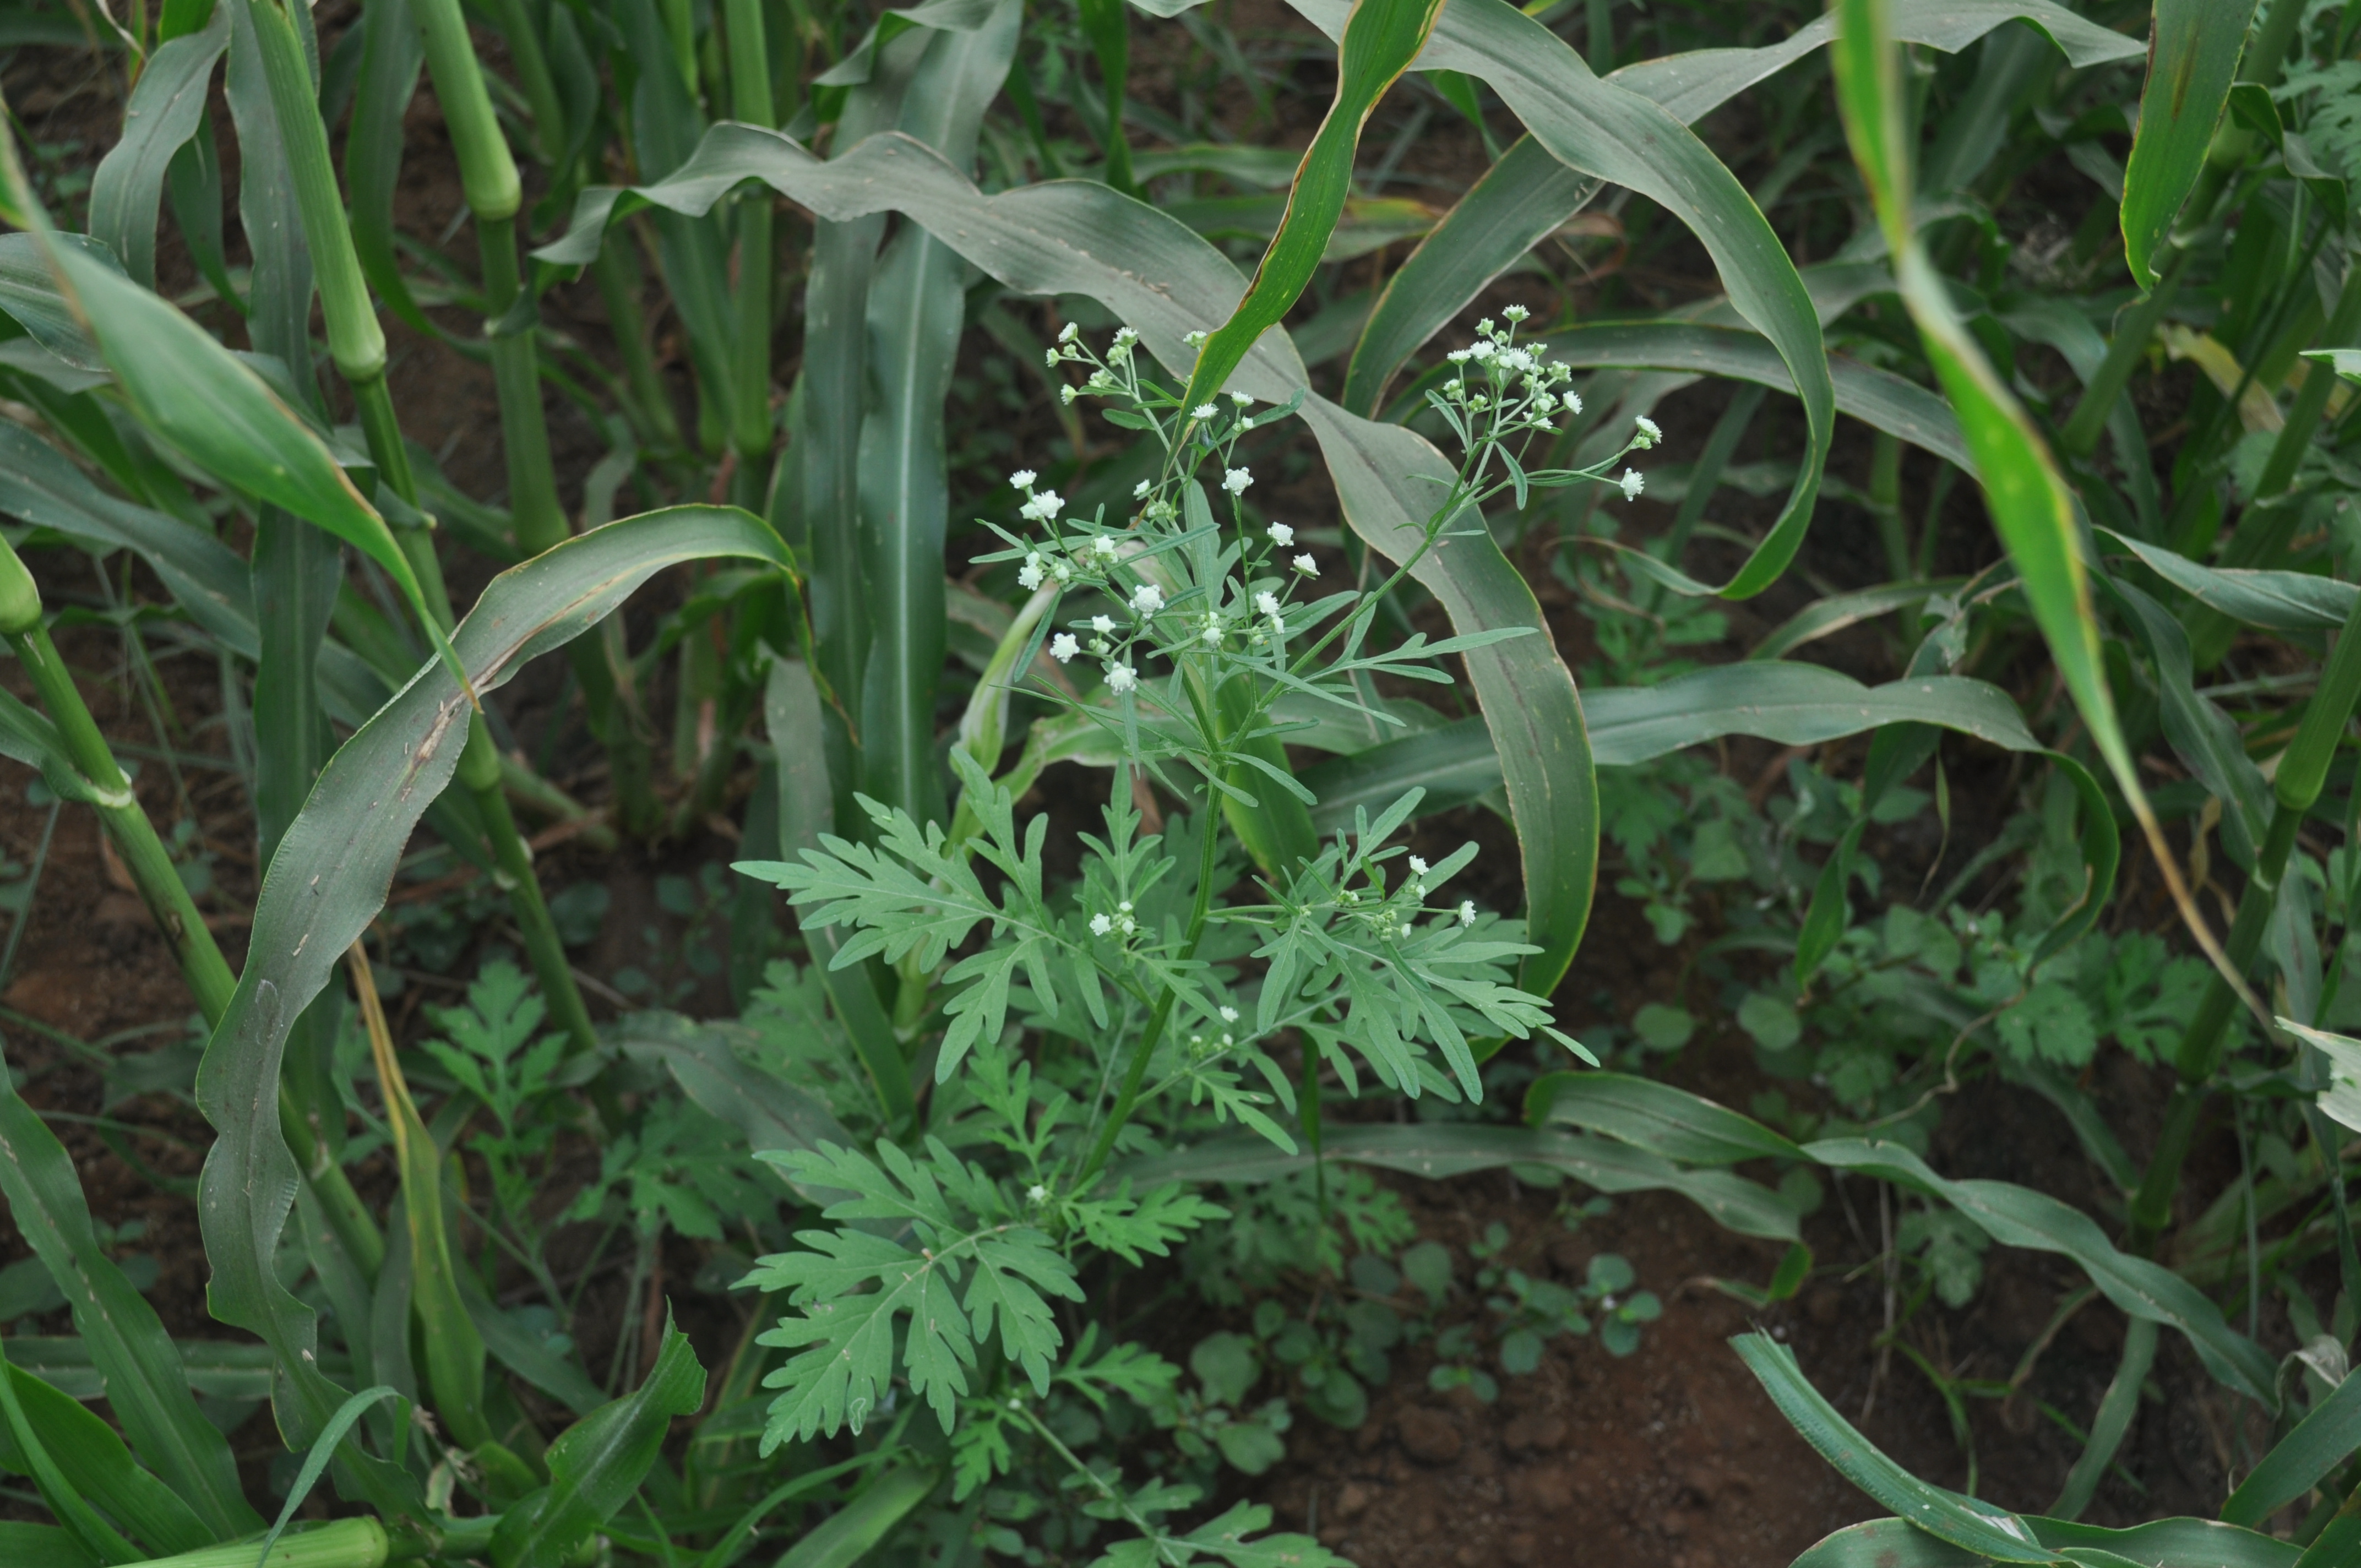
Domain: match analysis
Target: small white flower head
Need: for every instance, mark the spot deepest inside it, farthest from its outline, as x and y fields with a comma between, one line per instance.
x=1236, y=481
x=1405, y=928
x=1139, y=491
x=1266, y=603
x=1043, y=505
x=1634, y=483
x=1066, y=334
x=1571, y=403
x=1467, y=913
x=1516, y=313
x=1194, y=339
x=1485, y=327
x=1649, y=433
x=1459, y=357
x=1037, y=1194
x=1100, y=924
x=1280, y=534
x=1147, y=599
x=1063, y=647
x=1029, y=576
x=1229, y=1013
x=1307, y=565
x=1060, y=569
x=1049, y=358
x=1212, y=635
x=1102, y=624
x=1126, y=924
x=1204, y=411
x=1121, y=678
x=1023, y=479
x=1244, y=399
x=1066, y=394
x=1104, y=546
x=1417, y=866
x=1124, y=337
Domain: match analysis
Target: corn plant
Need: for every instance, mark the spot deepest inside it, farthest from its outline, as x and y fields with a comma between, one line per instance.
x=995, y=1092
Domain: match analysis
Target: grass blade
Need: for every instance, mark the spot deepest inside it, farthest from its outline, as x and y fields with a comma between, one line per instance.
x=146, y=1384
x=2030, y=505
x=92, y=1457
x=329, y=879
x=2018, y=1216
x=1994, y=1534
x=165, y=110
x=2193, y=58
x=1519, y=201
x=597, y=1463
x=1380, y=37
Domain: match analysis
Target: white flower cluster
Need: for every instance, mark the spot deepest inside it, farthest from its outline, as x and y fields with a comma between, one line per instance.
x=1512, y=388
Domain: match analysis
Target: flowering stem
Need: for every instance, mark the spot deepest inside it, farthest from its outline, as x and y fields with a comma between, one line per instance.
x=1129, y=1097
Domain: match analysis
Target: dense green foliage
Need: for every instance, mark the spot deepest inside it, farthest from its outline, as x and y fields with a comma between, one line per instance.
x=1058, y=424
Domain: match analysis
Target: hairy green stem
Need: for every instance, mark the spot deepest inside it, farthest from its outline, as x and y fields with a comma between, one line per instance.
x=1127, y=1098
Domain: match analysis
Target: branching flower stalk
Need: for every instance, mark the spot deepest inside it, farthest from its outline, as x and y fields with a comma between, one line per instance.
x=1217, y=629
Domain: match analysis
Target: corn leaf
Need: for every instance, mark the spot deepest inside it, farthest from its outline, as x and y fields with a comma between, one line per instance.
x=1380, y=40
x=1439, y=1149
x=164, y=111
x=88, y=1453
x=1600, y=128
x=2276, y=601
x=916, y=306
x=1656, y=1117
x=2165, y=1543
x=2324, y=1440
x=2030, y=505
x=1992, y=1533
x=329, y=879
x=1527, y=194
x=2020, y=1217
x=42, y=1546
x=846, y=1536
x=2193, y=58
x=146, y=1384
x=1879, y=398
x=205, y=402
x=597, y=1463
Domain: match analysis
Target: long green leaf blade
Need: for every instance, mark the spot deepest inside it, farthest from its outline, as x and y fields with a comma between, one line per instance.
x=328, y=881
x=146, y=1384
x=1380, y=39
x=2193, y=58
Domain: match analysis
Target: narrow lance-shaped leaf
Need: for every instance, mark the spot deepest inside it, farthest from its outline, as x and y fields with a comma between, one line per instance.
x=1601, y=128
x=2193, y=58
x=597, y=1463
x=200, y=396
x=1527, y=194
x=1380, y=39
x=163, y=113
x=328, y=881
x=147, y=1386
x=2030, y=504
